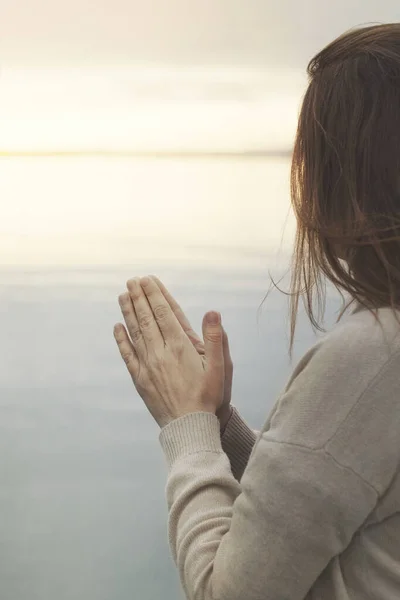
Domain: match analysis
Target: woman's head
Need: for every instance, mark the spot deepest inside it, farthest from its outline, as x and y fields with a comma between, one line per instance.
x=345, y=177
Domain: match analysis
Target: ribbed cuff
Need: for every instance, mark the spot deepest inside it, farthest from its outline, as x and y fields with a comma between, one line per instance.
x=191, y=434
x=237, y=442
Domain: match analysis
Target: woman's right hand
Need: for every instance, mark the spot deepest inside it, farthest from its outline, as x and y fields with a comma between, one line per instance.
x=225, y=411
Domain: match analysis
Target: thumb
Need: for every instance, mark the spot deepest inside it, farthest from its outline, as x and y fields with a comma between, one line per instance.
x=214, y=349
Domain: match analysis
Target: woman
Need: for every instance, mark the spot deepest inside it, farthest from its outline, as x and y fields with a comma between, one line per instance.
x=310, y=506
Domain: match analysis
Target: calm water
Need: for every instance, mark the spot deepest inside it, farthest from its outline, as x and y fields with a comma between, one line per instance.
x=82, y=476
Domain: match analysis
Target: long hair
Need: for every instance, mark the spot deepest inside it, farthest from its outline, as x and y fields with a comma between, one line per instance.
x=345, y=176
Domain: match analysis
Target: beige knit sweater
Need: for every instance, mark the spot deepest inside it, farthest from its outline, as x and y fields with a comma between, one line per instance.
x=310, y=509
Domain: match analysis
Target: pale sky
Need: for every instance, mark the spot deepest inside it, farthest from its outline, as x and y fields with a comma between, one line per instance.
x=225, y=74
x=143, y=109
x=282, y=33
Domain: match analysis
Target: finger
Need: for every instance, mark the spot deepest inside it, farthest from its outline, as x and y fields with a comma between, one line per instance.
x=212, y=333
x=164, y=316
x=226, y=350
x=126, y=349
x=228, y=367
x=132, y=324
x=179, y=314
x=144, y=314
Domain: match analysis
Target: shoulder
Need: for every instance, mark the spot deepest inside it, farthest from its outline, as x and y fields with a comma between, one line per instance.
x=355, y=350
x=343, y=396
x=362, y=336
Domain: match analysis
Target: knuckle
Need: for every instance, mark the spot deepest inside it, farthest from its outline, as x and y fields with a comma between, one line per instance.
x=145, y=321
x=125, y=310
x=136, y=335
x=126, y=357
x=214, y=336
x=161, y=312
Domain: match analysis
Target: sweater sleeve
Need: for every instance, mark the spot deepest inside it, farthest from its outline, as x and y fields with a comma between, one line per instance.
x=237, y=442
x=270, y=536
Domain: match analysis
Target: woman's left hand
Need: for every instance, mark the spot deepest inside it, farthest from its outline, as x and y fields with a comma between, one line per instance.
x=168, y=373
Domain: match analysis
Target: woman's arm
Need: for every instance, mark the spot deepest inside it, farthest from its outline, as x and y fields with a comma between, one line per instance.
x=315, y=474
x=237, y=441
x=269, y=537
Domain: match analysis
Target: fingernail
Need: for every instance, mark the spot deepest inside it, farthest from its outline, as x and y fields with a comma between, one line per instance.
x=213, y=318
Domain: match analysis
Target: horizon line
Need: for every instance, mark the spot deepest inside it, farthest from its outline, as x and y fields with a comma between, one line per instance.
x=260, y=153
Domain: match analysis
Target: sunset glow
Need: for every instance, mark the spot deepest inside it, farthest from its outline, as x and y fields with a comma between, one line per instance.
x=85, y=208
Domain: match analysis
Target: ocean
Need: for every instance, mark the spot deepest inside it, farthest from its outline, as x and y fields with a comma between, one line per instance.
x=82, y=475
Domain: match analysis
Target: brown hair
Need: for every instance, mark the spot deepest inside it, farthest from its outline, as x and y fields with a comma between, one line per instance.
x=345, y=175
